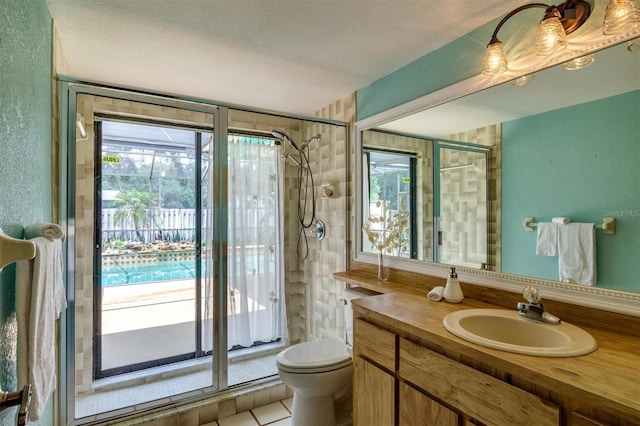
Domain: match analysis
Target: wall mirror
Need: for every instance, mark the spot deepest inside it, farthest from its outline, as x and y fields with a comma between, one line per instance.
x=481, y=157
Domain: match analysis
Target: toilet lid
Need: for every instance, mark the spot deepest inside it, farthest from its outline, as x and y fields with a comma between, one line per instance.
x=315, y=354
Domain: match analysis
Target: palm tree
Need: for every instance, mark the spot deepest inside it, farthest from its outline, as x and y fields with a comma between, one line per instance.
x=131, y=207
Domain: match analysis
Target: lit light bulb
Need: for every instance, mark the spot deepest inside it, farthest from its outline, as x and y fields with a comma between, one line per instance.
x=550, y=37
x=621, y=15
x=494, y=60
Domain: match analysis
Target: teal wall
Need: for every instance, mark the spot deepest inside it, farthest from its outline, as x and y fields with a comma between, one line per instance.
x=450, y=64
x=581, y=162
x=25, y=145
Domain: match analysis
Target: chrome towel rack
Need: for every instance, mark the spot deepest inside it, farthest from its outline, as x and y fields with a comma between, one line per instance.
x=608, y=225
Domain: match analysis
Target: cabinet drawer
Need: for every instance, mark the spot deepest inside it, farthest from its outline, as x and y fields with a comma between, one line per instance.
x=375, y=344
x=478, y=395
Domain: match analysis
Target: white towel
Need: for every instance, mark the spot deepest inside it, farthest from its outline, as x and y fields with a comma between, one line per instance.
x=51, y=231
x=577, y=253
x=547, y=242
x=39, y=300
x=436, y=294
x=562, y=220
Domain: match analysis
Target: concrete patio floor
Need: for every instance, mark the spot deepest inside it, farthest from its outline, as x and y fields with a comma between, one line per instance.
x=143, y=322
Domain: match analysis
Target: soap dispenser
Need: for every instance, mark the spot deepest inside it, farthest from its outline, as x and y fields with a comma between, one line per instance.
x=452, y=291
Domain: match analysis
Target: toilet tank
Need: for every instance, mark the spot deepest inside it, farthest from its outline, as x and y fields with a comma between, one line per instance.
x=350, y=294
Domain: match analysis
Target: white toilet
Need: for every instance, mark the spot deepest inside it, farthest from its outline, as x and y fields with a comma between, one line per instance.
x=320, y=370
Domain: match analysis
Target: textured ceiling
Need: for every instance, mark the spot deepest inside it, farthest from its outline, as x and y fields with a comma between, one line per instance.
x=294, y=56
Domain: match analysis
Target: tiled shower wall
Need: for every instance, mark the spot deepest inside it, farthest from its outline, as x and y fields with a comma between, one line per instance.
x=490, y=136
x=329, y=161
x=463, y=207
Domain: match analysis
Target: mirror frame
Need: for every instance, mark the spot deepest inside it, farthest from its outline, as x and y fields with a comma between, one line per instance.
x=599, y=298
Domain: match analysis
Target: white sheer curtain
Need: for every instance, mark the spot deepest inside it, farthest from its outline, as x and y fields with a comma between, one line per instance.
x=256, y=310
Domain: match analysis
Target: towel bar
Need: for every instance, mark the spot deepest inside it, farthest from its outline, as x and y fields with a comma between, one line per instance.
x=21, y=398
x=13, y=249
x=608, y=225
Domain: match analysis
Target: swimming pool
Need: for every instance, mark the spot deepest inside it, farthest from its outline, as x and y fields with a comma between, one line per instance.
x=113, y=275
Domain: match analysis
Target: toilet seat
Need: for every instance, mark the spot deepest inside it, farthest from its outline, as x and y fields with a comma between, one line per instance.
x=316, y=356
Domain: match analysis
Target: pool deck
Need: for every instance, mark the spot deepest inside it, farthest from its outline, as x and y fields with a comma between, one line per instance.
x=140, y=306
x=147, y=321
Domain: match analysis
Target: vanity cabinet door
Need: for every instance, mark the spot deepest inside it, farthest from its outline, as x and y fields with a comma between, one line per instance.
x=375, y=344
x=373, y=395
x=417, y=409
x=374, y=381
x=470, y=392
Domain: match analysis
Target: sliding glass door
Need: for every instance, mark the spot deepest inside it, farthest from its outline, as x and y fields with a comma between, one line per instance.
x=150, y=282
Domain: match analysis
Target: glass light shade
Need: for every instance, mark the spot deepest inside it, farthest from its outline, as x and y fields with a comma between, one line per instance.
x=494, y=60
x=551, y=37
x=524, y=80
x=621, y=15
x=579, y=63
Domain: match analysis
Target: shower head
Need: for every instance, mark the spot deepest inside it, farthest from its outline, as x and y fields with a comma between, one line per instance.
x=308, y=141
x=282, y=135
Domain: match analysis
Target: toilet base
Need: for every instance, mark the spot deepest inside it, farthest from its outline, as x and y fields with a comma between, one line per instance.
x=313, y=410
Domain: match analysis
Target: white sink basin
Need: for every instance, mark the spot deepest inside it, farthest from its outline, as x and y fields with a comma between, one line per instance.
x=510, y=332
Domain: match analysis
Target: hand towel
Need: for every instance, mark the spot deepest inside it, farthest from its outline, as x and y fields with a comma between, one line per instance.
x=577, y=253
x=51, y=231
x=547, y=242
x=561, y=220
x=436, y=293
x=40, y=298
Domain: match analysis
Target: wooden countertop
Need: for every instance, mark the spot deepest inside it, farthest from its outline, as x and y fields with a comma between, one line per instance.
x=608, y=378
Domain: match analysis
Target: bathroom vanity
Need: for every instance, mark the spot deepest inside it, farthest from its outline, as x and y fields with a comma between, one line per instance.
x=409, y=370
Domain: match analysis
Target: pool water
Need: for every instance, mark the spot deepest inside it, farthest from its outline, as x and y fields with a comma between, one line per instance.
x=113, y=275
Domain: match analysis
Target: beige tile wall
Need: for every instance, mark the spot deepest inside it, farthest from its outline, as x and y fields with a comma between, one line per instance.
x=490, y=136
x=330, y=162
x=463, y=208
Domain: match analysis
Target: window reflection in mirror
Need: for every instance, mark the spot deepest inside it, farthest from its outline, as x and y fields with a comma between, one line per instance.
x=445, y=187
x=390, y=179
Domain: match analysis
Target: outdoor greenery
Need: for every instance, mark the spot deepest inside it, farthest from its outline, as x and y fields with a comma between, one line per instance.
x=132, y=205
x=167, y=174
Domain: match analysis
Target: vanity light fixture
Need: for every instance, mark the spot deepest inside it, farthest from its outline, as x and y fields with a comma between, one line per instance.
x=558, y=21
x=621, y=15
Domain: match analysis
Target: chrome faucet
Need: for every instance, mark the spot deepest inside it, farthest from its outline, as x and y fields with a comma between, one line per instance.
x=534, y=309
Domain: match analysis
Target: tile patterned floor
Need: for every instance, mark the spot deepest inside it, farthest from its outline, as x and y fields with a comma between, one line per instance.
x=275, y=414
